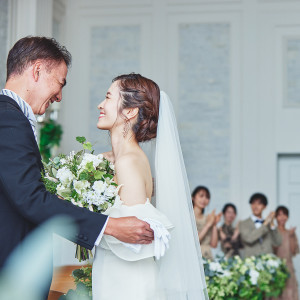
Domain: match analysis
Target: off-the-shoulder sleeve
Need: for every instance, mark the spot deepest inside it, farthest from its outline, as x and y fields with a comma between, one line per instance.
x=141, y=211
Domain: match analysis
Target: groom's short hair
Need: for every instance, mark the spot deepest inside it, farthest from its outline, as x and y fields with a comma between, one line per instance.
x=31, y=48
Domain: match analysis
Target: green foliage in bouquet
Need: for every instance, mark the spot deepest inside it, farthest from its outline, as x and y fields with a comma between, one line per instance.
x=254, y=278
x=50, y=136
x=84, y=179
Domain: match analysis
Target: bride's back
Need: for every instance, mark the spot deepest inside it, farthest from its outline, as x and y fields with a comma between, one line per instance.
x=134, y=173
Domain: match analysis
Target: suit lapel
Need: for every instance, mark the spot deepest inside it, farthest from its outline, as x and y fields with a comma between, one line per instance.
x=9, y=101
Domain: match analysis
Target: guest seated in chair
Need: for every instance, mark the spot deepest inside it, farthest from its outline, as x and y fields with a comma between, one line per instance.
x=206, y=224
x=259, y=236
x=228, y=234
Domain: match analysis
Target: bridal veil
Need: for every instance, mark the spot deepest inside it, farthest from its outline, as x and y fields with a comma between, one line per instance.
x=181, y=274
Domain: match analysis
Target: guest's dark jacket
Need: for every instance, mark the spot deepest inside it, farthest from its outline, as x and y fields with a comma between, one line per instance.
x=24, y=201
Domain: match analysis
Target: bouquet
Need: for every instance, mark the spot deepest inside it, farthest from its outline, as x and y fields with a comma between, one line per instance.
x=256, y=277
x=84, y=179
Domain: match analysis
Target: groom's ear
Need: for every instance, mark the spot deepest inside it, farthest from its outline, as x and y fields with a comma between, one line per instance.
x=36, y=69
x=131, y=113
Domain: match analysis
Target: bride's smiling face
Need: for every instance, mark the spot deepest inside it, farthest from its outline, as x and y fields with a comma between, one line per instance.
x=109, y=108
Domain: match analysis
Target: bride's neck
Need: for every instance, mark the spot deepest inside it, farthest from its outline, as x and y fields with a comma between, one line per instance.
x=121, y=144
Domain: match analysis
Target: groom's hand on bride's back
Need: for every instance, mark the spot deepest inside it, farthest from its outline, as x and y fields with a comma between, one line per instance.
x=129, y=230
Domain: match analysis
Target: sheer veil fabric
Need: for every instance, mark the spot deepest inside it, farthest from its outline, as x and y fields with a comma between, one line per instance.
x=181, y=274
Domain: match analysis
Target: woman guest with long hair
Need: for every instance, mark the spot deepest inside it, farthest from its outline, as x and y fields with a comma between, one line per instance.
x=206, y=224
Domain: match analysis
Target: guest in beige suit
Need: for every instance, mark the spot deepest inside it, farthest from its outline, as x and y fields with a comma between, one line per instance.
x=259, y=236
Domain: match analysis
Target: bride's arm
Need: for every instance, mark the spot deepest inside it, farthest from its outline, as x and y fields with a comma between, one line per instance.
x=130, y=173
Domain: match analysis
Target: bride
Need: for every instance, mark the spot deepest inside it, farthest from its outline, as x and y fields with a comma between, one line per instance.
x=135, y=111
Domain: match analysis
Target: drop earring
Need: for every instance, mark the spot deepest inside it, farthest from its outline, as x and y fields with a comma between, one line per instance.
x=126, y=127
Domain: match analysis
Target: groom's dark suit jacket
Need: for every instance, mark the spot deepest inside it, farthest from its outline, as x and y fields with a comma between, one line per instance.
x=24, y=201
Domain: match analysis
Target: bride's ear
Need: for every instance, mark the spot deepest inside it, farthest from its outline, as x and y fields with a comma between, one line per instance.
x=131, y=113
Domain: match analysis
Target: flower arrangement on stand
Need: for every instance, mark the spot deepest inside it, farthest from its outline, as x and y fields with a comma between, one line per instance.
x=84, y=179
x=254, y=278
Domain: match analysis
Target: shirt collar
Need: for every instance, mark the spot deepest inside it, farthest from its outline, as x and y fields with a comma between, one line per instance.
x=8, y=93
x=254, y=218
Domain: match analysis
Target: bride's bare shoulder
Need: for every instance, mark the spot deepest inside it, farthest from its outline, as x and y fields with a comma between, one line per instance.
x=109, y=156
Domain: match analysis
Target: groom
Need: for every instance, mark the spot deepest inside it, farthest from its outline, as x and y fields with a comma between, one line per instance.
x=36, y=73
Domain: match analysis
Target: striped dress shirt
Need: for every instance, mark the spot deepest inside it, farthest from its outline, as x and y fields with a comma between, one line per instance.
x=25, y=107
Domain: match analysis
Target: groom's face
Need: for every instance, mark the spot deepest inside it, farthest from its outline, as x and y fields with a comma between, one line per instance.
x=48, y=88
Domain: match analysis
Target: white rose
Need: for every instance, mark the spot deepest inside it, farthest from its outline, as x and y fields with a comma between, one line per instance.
x=88, y=158
x=99, y=186
x=65, y=176
x=80, y=186
x=253, y=276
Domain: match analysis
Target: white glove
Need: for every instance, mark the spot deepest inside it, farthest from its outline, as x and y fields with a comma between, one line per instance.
x=161, y=239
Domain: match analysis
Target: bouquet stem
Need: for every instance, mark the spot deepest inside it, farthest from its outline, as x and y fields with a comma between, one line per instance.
x=82, y=253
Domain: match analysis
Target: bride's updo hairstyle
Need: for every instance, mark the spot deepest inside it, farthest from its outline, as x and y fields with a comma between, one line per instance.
x=139, y=92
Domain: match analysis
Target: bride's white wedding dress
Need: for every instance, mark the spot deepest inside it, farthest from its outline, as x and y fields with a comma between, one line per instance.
x=121, y=273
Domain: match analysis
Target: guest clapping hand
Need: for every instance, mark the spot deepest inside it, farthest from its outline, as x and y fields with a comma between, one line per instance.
x=206, y=224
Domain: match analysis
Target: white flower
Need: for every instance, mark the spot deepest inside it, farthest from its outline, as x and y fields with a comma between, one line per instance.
x=253, y=276
x=111, y=191
x=63, y=161
x=112, y=166
x=215, y=266
x=71, y=156
x=88, y=158
x=99, y=186
x=92, y=197
x=91, y=208
x=259, y=266
x=273, y=263
x=80, y=186
x=65, y=176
